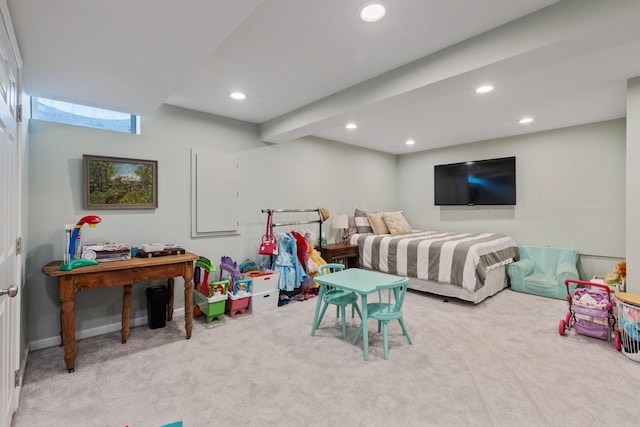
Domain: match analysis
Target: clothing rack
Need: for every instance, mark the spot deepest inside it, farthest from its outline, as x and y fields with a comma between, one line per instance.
x=289, y=223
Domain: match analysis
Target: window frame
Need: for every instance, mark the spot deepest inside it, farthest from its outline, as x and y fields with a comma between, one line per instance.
x=134, y=120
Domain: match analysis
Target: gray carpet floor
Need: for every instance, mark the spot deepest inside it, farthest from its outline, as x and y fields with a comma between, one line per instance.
x=498, y=363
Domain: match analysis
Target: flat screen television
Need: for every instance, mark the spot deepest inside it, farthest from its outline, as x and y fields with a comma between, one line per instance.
x=481, y=182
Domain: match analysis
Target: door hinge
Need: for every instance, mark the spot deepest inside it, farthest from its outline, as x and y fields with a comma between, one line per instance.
x=17, y=378
x=19, y=113
x=19, y=246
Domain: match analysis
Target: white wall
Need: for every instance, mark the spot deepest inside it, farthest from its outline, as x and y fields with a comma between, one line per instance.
x=633, y=177
x=570, y=191
x=307, y=173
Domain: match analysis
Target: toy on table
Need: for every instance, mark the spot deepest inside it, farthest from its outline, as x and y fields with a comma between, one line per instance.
x=106, y=251
x=149, y=250
x=72, y=258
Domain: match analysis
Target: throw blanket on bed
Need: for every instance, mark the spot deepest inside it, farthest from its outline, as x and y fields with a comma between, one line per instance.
x=461, y=259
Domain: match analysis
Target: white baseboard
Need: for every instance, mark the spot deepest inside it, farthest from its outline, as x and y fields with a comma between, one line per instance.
x=23, y=366
x=92, y=332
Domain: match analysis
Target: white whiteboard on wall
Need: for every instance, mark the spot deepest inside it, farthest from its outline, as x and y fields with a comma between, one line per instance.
x=214, y=194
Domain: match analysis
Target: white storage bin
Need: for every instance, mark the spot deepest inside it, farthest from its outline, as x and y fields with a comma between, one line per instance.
x=265, y=281
x=264, y=301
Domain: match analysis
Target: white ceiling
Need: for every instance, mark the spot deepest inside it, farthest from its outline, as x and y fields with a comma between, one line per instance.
x=308, y=66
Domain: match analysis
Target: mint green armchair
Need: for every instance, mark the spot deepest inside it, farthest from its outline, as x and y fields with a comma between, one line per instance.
x=542, y=271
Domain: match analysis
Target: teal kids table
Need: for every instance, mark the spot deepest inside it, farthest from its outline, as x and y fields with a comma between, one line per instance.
x=362, y=282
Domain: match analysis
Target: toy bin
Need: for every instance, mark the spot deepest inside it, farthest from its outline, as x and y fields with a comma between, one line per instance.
x=264, y=301
x=213, y=305
x=629, y=316
x=263, y=281
x=238, y=303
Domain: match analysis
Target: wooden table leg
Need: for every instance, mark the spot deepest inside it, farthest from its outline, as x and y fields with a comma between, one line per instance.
x=170, y=283
x=67, y=322
x=188, y=298
x=126, y=312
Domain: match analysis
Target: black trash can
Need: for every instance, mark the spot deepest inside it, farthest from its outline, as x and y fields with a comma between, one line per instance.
x=157, y=300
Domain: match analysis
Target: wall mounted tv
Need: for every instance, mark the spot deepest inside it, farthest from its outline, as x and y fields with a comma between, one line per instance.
x=481, y=182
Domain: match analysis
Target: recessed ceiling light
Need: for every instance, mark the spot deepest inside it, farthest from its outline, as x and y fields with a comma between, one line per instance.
x=351, y=126
x=410, y=142
x=238, y=96
x=484, y=89
x=372, y=12
x=525, y=120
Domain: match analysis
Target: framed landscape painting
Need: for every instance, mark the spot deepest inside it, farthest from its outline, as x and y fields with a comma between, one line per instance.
x=119, y=183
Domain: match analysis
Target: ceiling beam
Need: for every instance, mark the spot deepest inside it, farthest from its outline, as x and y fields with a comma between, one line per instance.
x=569, y=28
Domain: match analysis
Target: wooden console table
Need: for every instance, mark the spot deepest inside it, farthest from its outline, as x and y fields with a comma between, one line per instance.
x=119, y=273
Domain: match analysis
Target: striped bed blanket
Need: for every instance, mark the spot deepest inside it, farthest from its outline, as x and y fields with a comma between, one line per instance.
x=461, y=259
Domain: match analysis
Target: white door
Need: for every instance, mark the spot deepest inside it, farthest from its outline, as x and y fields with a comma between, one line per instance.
x=9, y=307
x=9, y=224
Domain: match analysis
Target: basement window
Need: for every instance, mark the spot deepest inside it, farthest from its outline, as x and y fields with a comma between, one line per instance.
x=82, y=115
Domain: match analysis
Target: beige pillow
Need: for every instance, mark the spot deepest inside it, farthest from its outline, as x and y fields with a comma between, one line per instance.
x=377, y=223
x=396, y=223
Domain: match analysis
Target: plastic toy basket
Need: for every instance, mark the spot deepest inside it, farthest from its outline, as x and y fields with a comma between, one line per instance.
x=629, y=321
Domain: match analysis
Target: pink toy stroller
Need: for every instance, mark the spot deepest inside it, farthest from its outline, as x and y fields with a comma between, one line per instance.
x=590, y=312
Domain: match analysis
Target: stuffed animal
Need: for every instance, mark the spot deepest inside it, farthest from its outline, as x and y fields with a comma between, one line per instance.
x=612, y=279
x=621, y=269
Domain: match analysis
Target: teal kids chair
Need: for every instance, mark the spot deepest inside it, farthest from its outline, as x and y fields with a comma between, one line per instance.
x=338, y=297
x=388, y=308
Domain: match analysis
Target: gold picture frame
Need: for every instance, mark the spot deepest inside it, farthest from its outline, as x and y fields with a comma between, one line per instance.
x=119, y=183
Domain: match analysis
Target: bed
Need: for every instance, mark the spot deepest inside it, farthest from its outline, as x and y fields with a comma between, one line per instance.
x=468, y=266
